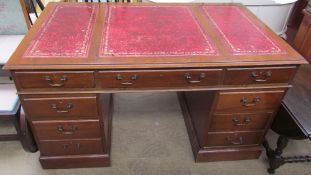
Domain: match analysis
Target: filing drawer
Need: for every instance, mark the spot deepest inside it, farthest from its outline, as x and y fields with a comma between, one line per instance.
x=71, y=147
x=47, y=130
x=244, y=76
x=239, y=122
x=233, y=138
x=55, y=80
x=61, y=107
x=160, y=78
x=243, y=101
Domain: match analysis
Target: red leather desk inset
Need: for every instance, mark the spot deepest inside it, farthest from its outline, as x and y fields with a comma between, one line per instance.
x=249, y=39
x=229, y=69
x=67, y=32
x=154, y=31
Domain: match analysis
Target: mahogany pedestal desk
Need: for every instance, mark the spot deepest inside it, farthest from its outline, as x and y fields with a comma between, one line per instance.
x=229, y=69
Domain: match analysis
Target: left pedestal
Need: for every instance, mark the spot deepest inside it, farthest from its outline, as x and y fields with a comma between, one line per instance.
x=71, y=130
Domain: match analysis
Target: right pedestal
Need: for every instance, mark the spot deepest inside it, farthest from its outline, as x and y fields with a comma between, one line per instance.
x=228, y=125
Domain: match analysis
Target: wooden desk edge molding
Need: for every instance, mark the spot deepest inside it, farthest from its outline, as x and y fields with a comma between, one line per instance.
x=229, y=79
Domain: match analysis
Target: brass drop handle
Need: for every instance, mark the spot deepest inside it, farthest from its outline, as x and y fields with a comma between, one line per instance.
x=188, y=77
x=131, y=82
x=236, y=140
x=58, y=109
x=65, y=146
x=261, y=76
x=78, y=146
x=244, y=101
x=52, y=83
x=237, y=122
x=69, y=131
x=127, y=83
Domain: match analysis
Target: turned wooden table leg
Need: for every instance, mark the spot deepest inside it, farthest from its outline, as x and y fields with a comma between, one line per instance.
x=274, y=156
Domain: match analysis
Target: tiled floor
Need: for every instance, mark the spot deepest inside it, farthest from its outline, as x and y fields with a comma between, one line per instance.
x=150, y=138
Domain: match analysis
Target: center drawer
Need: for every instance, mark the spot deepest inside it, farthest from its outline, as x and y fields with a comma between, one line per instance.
x=72, y=129
x=160, y=78
x=245, y=101
x=61, y=107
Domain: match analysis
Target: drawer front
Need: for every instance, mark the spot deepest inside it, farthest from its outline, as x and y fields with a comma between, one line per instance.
x=71, y=147
x=47, y=130
x=55, y=80
x=230, y=102
x=61, y=107
x=242, y=76
x=160, y=78
x=233, y=138
x=240, y=122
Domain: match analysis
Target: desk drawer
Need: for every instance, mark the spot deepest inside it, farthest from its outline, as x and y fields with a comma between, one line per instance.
x=240, y=122
x=160, y=78
x=61, y=107
x=47, y=130
x=243, y=76
x=55, y=80
x=233, y=138
x=235, y=102
x=71, y=147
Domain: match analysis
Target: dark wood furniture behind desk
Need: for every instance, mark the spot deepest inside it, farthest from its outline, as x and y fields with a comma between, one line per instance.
x=302, y=41
x=231, y=73
x=296, y=16
x=292, y=120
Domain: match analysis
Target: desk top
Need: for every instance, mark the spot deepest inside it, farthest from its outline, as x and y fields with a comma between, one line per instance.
x=105, y=36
